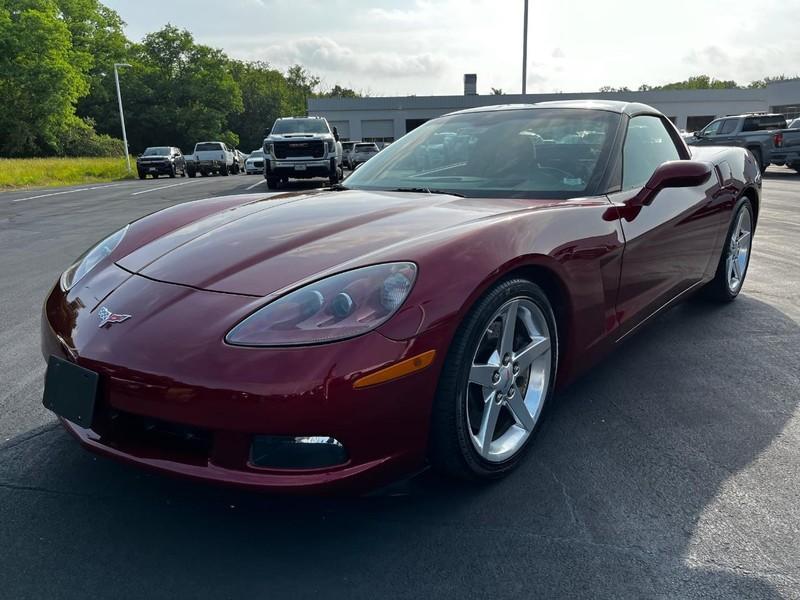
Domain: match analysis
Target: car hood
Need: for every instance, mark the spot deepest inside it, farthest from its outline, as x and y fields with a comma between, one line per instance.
x=267, y=244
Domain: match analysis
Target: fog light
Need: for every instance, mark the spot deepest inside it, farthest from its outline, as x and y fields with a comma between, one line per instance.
x=289, y=452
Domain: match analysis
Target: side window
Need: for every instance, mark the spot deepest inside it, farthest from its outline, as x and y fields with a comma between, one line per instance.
x=647, y=145
x=728, y=126
x=712, y=128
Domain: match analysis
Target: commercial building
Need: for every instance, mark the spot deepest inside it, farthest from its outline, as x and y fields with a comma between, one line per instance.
x=386, y=119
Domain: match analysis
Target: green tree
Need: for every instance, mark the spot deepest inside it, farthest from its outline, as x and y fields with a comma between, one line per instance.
x=265, y=97
x=41, y=77
x=301, y=87
x=179, y=92
x=338, y=91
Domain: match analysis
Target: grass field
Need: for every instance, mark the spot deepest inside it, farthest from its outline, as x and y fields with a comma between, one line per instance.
x=18, y=173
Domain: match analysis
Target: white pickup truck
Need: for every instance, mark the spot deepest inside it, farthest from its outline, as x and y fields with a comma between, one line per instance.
x=301, y=148
x=211, y=157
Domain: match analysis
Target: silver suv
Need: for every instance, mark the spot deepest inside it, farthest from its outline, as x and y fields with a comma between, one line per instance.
x=301, y=148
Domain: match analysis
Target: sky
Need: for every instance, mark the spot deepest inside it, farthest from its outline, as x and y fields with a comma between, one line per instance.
x=423, y=47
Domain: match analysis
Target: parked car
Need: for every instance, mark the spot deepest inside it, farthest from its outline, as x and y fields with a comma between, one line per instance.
x=301, y=148
x=345, y=338
x=211, y=158
x=254, y=165
x=753, y=131
x=347, y=148
x=240, y=158
x=161, y=160
x=786, y=150
x=362, y=152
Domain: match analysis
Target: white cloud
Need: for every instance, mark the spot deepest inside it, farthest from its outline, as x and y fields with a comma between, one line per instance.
x=425, y=46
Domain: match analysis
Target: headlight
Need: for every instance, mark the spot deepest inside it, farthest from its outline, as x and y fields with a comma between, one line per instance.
x=331, y=146
x=89, y=259
x=268, y=148
x=334, y=308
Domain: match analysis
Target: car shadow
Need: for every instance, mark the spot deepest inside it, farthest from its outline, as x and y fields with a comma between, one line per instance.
x=780, y=174
x=629, y=491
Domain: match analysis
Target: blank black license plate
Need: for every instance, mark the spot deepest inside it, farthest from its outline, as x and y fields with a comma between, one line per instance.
x=70, y=391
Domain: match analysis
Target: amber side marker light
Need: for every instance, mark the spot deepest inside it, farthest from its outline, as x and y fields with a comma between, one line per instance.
x=406, y=367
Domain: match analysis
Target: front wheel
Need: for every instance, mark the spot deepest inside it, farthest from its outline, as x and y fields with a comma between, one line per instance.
x=735, y=259
x=757, y=155
x=496, y=381
x=172, y=172
x=142, y=175
x=272, y=183
x=223, y=170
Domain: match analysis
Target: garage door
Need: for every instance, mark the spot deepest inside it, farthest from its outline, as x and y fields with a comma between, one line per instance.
x=343, y=127
x=377, y=130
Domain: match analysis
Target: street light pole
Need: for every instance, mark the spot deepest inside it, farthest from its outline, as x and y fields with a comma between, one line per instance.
x=525, y=50
x=122, y=115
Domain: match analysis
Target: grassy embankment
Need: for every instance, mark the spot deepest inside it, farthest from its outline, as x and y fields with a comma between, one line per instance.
x=21, y=173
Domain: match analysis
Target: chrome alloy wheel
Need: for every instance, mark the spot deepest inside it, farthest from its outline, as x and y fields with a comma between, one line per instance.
x=739, y=251
x=508, y=379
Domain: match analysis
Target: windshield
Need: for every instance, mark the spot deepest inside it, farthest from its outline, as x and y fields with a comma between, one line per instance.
x=795, y=124
x=538, y=152
x=300, y=126
x=366, y=148
x=256, y=154
x=158, y=151
x=208, y=146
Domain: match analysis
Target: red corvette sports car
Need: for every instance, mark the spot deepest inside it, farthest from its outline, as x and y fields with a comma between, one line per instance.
x=422, y=313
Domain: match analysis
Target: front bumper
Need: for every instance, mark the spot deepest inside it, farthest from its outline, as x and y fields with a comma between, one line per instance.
x=161, y=368
x=300, y=169
x=160, y=168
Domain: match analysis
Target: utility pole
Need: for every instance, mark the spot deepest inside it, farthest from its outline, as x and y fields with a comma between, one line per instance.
x=122, y=115
x=525, y=50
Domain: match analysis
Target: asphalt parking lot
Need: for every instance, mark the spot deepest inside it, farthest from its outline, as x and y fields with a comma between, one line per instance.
x=671, y=470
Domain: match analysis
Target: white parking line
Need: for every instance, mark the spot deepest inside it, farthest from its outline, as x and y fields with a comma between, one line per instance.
x=96, y=187
x=163, y=187
x=255, y=184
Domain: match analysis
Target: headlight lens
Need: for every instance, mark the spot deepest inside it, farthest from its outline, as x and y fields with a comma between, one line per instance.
x=334, y=308
x=89, y=259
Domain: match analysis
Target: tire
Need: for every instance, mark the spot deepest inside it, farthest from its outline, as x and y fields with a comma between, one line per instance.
x=223, y=170
x=795, y=166
x=723, y=287
x=142, y=175
x=454, y=442
x=191, y=173
x=334, y=177
x=183, y=172
x=172, y=172
x=273, y=183
x=203, y=174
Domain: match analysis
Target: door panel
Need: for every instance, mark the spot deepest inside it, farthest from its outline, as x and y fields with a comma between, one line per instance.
x=668, y=245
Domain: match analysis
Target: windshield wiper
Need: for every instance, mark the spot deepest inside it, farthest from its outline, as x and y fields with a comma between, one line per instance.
x=338, y=187
x=424, y=190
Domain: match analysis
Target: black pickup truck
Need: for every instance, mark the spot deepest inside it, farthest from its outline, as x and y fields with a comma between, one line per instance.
x=754, y=131
x=787, y=147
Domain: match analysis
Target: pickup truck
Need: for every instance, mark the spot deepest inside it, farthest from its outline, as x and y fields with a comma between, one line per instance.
x=301, y=148
x=754, y=131
x=211, y=157
x=787, y=147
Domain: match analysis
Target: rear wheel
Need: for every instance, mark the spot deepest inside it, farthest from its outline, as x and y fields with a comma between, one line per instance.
x=224, y=170
x=735, y=259
x=497, y=378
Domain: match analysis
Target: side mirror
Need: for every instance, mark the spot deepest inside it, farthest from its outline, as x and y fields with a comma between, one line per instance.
x=697, y=134
x=675, y=174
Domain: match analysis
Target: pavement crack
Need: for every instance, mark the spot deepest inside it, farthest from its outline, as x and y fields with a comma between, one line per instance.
x=26, y=437
x=569, y=502
x=43, y=490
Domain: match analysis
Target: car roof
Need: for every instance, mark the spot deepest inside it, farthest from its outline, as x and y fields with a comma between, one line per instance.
x=617, y=106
